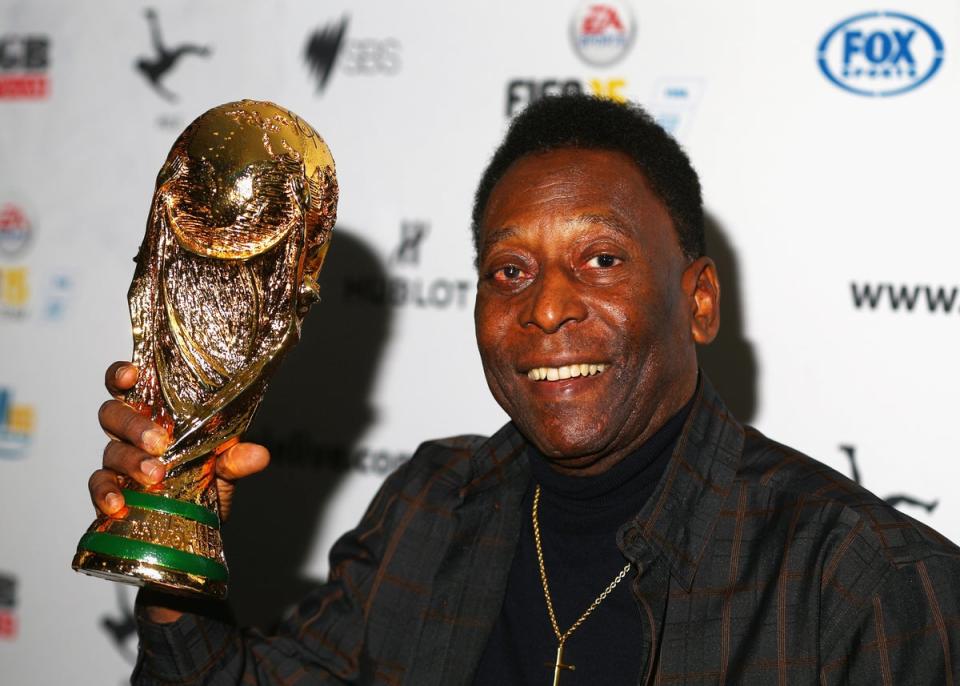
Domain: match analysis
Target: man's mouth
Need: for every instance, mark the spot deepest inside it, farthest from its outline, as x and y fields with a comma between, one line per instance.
x=570, y=371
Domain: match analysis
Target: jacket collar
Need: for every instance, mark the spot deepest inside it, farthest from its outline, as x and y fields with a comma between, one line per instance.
x=677, y=521
x=500, y=461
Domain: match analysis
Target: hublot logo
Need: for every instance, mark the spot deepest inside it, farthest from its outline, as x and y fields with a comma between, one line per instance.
x=403, y=290
x=412, y=234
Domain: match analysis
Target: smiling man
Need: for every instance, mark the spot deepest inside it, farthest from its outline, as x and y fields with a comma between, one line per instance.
x=587, y=307
x=623, y=528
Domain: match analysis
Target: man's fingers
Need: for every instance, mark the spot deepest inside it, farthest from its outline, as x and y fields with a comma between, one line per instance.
x=120, y=377
x=123, y=422
x=242, y=460
x=130, y=461
x=105, y=491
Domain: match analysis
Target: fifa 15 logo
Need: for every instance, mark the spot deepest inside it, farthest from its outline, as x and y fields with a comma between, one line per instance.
x=522, y=92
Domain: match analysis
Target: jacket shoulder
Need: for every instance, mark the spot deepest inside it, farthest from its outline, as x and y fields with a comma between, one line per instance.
x=833, y=501
x=857, y=550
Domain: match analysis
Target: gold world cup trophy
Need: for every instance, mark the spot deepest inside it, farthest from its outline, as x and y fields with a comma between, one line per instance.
x=238, y=230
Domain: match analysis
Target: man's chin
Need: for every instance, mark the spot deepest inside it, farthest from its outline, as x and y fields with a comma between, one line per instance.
x=570, y=451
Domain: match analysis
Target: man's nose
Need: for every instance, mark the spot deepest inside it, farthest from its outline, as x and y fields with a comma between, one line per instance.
x=554, y=299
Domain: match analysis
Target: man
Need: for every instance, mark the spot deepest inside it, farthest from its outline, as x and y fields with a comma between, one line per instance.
x=624, y=527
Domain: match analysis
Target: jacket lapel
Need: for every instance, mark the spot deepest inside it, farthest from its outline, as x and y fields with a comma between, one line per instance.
x=668, y=538
x=471, y=580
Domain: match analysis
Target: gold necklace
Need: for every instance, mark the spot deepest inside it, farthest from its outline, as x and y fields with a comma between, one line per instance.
x=562, y=638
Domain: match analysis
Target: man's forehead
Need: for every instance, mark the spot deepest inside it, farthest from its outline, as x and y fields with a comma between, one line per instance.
x=584, y=220
x=572, y=187
x=549, y=164
x=569, y=174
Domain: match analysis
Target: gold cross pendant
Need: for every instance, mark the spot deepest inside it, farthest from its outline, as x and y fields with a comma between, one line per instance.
x=558, y=665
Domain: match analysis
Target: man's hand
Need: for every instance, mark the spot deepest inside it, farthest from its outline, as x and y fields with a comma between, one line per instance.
x=136, y=442
x=132, y=452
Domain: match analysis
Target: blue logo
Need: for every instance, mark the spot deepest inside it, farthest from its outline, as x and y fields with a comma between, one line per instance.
x=880, y=53
x=16, y=425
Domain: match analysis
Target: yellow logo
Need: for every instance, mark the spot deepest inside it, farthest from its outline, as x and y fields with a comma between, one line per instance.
x=14, y=290
x=609, y=88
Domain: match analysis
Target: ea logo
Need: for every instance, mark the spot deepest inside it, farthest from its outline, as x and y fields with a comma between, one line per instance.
x=602, y=32
x=880, y=53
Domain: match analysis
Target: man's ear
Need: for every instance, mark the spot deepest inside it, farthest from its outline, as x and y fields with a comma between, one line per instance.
x=702, y=287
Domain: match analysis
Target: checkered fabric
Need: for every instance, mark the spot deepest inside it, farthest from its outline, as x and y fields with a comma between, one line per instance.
x=753, y=564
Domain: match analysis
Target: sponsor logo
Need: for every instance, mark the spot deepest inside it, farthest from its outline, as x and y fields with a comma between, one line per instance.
x=363, y=56
x=8, y=606
x=880, y=53
x=896, y=499
x=522, y=92
x=673, y=104
x=397, y=291
x=893, y=297
x=55, y=296
x=24, y=62
x=406, y=289
x=16, y=426
x=17, y=300
x=157, y=66
x=15, y=230
x=14, y=292
x=16, y=234
x=412, y=234
x=602, y=32
x=300, y=450
x=22, y=292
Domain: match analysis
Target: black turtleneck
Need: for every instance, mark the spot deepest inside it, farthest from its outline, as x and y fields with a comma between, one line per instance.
x=579, y=518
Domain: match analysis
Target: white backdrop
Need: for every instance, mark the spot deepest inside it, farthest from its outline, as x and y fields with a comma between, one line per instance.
x=818, y=198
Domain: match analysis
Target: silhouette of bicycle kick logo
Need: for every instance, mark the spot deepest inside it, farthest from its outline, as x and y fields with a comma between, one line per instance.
x=156, y=68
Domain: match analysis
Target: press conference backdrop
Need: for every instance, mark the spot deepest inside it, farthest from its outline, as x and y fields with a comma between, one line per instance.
x=825, y=134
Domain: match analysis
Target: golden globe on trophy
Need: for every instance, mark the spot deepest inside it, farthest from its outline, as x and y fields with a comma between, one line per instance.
x=238, y=230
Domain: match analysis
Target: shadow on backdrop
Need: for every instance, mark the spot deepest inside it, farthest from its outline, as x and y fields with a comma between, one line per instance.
x=730, y=361
x=315, y=409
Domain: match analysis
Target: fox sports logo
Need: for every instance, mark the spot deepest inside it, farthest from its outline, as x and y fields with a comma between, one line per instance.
x=880, y=53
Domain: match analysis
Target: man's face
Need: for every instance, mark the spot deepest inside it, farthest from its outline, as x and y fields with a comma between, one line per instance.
x=581, y=271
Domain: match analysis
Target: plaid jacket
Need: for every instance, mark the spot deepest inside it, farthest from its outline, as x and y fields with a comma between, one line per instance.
x=754, y=564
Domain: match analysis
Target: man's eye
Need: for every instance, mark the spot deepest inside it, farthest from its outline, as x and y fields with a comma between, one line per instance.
x=603, y=261
x=509, y=273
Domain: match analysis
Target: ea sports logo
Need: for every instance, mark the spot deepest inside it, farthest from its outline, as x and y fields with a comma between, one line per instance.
x=880, y=53
x=602, y=32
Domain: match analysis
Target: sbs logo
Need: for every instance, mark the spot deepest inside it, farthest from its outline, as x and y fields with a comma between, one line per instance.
x=880, y=53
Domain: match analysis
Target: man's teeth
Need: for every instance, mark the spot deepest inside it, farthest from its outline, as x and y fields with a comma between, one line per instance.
x=570, y=371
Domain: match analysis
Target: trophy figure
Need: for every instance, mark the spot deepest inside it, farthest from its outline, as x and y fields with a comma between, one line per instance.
x=239, y=226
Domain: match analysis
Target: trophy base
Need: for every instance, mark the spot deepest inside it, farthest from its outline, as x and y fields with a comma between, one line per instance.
x=170, y=544
x=144, y=573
